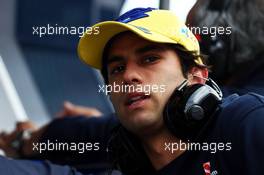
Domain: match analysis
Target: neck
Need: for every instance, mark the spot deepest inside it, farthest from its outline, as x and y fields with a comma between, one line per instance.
x=155, y=147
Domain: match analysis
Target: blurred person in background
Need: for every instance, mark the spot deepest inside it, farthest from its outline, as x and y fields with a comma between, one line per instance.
x=236, y=57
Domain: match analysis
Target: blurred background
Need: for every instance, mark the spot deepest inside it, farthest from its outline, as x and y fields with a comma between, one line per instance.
x=37, y=74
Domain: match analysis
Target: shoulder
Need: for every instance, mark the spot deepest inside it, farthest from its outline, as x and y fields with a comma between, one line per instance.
x=240, y=114
x=240, y=123
x=236, y=107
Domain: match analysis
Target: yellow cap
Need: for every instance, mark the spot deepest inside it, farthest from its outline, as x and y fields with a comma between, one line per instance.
x=154, y=25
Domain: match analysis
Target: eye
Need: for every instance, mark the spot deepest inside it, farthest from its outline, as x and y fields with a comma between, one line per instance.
x=150, y=59
x=117, y=69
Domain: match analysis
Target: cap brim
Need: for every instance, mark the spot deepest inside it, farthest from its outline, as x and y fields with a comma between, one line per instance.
x=91, y=46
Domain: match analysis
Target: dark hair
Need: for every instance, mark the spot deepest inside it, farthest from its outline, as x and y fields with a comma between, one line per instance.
x=187, y=58
x=246, y=41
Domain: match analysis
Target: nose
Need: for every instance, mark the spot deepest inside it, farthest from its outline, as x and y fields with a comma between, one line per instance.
x=132, y=74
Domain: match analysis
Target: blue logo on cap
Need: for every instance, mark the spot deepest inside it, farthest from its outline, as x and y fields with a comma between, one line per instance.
x=185, y=31
x=134, y=14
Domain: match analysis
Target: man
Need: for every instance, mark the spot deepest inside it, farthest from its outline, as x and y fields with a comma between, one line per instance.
x=152, y=47
x=138, y=49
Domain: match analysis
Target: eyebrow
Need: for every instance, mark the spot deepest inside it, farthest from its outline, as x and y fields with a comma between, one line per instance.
x=149, y=48
x=141, y=50
x=115, y=59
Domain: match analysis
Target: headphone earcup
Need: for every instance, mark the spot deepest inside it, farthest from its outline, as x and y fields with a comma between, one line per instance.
x=218, y=5
x=187, y=112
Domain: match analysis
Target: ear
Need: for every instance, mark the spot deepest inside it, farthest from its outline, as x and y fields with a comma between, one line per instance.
x=198, y=75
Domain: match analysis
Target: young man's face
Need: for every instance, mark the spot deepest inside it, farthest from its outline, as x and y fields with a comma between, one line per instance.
x=135, y=61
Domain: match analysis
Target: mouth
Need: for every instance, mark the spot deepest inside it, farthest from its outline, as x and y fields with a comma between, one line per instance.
x=135, y=100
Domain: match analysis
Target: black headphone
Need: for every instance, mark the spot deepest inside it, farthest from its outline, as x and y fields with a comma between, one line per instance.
x=220, y=6
x=190, y=108
x=219, y=47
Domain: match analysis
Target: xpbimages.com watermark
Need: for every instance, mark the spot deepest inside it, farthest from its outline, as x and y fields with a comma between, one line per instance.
x=80, y=147
x=49, y=29
x=212, y=31
x=128, y=88
x=55, y=29
x=212, y=147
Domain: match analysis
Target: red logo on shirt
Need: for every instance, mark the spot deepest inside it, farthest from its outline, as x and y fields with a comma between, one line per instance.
x=207, y=168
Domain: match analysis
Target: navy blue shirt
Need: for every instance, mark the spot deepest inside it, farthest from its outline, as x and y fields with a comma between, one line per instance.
x=240, y=122
x=249, y=79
